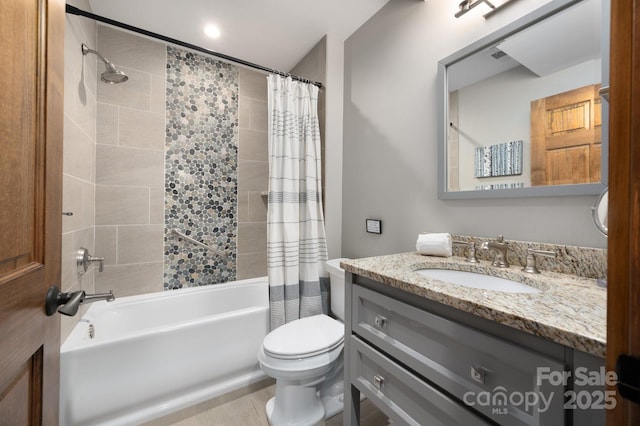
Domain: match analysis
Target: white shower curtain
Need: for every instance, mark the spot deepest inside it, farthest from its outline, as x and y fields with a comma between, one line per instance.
x=296, y=239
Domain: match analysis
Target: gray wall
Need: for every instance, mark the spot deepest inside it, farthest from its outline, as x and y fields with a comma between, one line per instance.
x=390, y=110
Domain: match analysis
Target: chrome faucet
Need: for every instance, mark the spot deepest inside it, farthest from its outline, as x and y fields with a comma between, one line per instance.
x=68, y=303
x=500, y=249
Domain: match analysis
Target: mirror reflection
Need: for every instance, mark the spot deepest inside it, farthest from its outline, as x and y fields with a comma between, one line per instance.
x=525, y=110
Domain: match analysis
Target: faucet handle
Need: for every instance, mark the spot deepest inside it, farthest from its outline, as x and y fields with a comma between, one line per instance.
x=531, y=267
x=471, y=253
x=97, y=259
x=83, y=259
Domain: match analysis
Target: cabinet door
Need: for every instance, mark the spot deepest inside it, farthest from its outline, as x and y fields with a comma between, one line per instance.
x=403, y=396
x=497, y=378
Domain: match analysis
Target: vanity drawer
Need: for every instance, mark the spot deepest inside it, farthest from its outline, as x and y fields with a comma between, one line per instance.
x=480, y=370
x=401, y=395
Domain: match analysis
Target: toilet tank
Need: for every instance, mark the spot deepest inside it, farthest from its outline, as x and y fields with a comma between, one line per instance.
x=336, y=281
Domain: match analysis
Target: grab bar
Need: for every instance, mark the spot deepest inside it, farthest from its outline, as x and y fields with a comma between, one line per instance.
x=196, y=242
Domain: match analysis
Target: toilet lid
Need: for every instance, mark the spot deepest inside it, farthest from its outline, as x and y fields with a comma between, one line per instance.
x=304, y=338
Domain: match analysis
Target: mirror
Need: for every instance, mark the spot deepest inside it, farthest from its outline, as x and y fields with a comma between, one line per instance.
x=521, y=110
x=600, y=212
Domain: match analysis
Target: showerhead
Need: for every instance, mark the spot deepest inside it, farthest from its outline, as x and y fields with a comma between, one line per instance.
x=112, y=74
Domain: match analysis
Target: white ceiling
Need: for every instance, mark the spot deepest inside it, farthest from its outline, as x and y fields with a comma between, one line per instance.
x=274, y=33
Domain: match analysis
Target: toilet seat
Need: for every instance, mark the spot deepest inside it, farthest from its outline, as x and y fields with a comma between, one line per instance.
x=304, y=338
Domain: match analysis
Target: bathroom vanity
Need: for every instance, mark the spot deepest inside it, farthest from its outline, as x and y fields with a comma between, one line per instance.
x=426, y=351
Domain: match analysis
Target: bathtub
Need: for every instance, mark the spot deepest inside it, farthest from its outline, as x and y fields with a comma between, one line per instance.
x=157, y=353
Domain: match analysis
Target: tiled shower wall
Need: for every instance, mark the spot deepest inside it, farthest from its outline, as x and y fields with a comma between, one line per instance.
x=130, y=166
x=134, y=207
x=79, y=155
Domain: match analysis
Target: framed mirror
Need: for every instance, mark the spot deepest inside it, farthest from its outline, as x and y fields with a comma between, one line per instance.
x=523, y=111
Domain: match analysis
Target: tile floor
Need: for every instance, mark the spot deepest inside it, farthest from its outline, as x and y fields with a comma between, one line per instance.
x=245, y=407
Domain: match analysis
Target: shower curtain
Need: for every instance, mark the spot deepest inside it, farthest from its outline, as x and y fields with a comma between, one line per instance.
x=296, y=239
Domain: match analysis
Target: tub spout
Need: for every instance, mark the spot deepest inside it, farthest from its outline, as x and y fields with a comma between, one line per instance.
x=109, y=297
x=68, y=303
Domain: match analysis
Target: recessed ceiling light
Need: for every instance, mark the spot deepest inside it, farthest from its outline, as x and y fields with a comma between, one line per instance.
x=212, y=31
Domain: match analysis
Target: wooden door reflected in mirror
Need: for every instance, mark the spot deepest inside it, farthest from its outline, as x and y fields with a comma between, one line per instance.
x=566, y=136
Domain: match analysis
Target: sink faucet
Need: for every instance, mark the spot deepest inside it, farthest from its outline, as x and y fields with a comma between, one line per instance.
x=499, y=248
x=68, y=303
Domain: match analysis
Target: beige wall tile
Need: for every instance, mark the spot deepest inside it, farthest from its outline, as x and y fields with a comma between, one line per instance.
x=88, y=205
x=131, y=51
x=78, y=152
x=243, y=206
x=252, y=237
x=252, y=84
x=122, y=205
x=106, y=243
x=84, y=238
x=158, y=93
x=107, y=125
x=244, y=112
x=141, y=129
x=130, y=280
x=156, y=206
x=72, y=202
x=257, y=207
x=253, y=145
x=68, y=276
x=79, y=69
x=252, y=265
x=134, y=93
x=85, y=115
x=129, y=166
x=259, y=115
x=253, y=175
x=140, y=244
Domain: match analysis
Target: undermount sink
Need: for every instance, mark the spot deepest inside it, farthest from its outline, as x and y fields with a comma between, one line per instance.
x=475, y=280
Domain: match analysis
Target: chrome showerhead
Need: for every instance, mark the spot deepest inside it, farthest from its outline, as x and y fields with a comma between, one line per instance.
x=112, y=74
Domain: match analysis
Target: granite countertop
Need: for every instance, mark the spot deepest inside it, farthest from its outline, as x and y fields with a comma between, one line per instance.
x=569, y=310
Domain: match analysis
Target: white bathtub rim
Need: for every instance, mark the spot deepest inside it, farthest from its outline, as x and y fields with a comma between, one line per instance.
x=124, y=300
x=93, y=344
x=71, y=344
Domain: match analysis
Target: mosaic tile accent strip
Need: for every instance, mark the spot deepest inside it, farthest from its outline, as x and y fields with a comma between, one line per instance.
x=201, y=169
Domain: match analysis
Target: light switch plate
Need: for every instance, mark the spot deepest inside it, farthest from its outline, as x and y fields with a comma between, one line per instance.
x=374, y=226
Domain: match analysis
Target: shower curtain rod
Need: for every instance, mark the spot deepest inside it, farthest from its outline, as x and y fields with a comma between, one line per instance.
x=75, y=11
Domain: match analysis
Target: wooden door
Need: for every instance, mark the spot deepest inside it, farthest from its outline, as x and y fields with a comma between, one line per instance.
x=566, y=137
x=623, y=296
x=31, y=104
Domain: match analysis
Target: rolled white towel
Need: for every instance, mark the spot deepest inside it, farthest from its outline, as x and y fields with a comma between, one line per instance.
x=434, y=244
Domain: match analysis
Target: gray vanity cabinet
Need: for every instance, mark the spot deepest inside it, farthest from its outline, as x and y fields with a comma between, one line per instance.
x=423, y=363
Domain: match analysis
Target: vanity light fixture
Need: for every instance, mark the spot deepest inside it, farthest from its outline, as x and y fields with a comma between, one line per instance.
x=466, y=5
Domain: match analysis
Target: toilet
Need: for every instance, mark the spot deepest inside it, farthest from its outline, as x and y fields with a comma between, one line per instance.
x=305, y=358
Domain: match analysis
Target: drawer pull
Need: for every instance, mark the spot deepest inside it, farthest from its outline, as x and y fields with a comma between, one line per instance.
x=380, y=321
x=478, y=374
x=378, y=381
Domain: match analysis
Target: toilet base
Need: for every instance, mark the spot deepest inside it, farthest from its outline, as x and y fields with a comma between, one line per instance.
x=295, y=406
